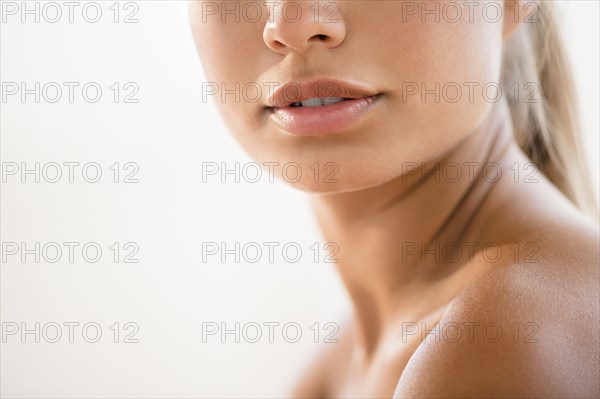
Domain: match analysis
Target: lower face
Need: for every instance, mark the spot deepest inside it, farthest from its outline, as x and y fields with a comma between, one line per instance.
x=435, y=82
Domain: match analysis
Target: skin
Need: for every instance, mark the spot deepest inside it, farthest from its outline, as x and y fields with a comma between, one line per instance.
x=539, y=281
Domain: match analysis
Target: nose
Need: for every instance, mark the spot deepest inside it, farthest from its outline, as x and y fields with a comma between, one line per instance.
x=298, y=26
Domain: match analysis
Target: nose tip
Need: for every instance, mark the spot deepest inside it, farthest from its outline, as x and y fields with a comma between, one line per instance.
x=305, y=29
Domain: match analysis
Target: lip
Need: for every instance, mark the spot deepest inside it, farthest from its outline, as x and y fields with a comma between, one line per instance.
x=323, y=120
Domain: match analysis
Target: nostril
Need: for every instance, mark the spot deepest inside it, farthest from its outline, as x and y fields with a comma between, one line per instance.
x=321, y=37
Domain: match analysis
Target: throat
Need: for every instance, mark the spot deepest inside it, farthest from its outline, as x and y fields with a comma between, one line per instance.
x=397, y=242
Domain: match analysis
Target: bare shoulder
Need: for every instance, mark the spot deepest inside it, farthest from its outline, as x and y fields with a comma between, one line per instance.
x=526, y=329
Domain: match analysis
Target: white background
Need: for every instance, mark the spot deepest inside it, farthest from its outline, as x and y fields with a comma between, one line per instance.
x=169, y=213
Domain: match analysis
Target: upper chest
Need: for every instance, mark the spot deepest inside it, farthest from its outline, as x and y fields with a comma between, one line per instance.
x=376, y=376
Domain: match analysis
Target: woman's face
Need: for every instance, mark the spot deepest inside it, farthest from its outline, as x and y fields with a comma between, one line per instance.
x=432, y=66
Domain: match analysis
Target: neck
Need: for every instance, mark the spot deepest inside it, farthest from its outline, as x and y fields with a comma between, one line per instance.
x=390, y=237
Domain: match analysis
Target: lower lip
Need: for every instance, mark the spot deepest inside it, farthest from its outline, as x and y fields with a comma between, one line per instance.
x=324, y=120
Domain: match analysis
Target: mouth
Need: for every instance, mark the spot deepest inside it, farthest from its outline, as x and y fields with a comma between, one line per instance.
x=320, y=107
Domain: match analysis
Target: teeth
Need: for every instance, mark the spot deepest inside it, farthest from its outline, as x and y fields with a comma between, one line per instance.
x=331, y=100
x=313, y=102
x=318, y=102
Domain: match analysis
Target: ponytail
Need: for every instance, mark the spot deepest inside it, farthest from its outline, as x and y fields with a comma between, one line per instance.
x=546, y=127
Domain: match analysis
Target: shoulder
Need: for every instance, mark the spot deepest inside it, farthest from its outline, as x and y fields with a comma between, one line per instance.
x=526, y=329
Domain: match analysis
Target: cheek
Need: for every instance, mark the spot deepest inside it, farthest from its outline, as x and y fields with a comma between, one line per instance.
x=227, y=49
x=443, y=80
x=233, y=57
x=448, y=78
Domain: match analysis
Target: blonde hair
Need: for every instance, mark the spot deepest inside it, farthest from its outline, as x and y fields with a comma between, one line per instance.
x=547, y=128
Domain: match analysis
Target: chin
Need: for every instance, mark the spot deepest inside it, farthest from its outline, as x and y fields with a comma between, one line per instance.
x=352, y=180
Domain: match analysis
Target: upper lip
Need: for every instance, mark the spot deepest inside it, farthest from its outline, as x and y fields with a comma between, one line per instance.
x=295, y=91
